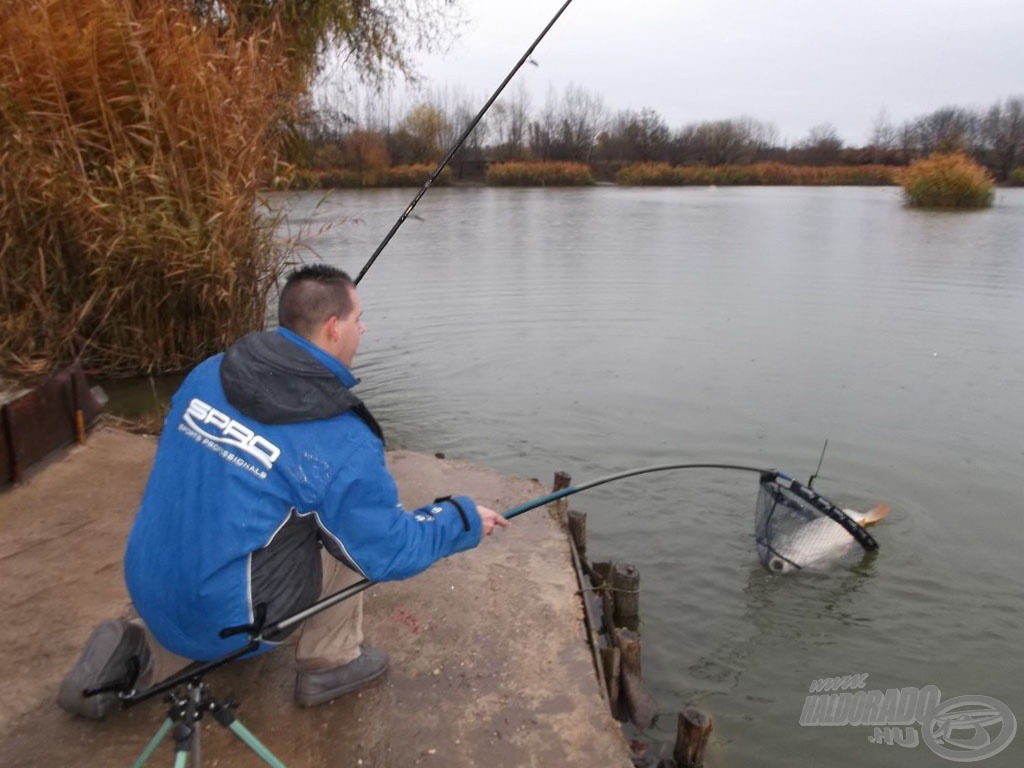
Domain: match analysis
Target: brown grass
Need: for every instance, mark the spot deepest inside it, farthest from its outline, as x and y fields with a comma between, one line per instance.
x=947, y=181
x=132, y=145
x=347, y=178
x=756, y=174
x=543, y=174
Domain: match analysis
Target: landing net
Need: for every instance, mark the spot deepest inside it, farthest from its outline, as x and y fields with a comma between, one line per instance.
x=796, y=527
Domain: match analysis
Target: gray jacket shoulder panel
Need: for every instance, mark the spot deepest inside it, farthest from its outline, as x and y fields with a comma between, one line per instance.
x=274, y=381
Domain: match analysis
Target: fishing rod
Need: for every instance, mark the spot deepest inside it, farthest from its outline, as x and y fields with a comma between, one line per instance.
x=793, y=496
x=259, y=630
x=455, y=148
x=540, y=501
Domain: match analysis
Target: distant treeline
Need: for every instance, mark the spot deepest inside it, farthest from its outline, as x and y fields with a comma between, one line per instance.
x=574, y=126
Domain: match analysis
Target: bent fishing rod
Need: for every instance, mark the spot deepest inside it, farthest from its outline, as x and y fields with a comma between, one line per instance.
x=458, y=144
x=259, y=630
x=540, y=501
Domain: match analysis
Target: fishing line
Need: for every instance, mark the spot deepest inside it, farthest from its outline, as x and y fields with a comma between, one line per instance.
x=810, y=483
x=455, y=148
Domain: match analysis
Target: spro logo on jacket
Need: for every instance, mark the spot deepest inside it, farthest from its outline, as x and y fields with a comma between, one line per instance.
x=200, y=417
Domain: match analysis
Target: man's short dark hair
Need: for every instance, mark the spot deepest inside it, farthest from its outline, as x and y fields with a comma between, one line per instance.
x=311, y=295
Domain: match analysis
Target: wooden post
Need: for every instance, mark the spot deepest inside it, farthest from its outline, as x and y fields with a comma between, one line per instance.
x=641, y=704
x=562, y=481
x=626, y=589
x=692, y=733
x=628, y=642
x=578, y=530
x=602, y=570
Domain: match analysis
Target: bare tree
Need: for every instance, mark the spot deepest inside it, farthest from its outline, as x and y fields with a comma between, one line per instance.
x=822, y=145
x=510, y=123
x=884, y=135
x=717, y=142
x=949, y=129
x=1002, y=134
x=580, y=118
x=884, y=144
x=568, y=127
x=419, y=135
x=544, y=130
x=765, y=136
x=636, y=137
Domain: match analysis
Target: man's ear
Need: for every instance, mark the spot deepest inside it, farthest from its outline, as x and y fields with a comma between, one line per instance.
x=331, y=328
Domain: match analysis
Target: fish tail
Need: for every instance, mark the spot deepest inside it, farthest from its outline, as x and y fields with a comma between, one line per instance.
x=875, y=514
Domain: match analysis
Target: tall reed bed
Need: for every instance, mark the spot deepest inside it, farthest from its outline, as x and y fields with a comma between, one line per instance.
x=132, y=145
x=766, y=174
x=947, y=181
x=539, y=175
x=413, y=176
x=345, y=178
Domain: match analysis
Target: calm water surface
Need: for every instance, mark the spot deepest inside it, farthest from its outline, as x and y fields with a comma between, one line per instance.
x=602, y=329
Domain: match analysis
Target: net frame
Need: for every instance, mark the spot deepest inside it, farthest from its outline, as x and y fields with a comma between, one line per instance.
x=779, y=490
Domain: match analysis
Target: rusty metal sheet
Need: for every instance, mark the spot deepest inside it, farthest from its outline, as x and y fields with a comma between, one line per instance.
x=40, y=422
x=44, y=420
x=6, y=458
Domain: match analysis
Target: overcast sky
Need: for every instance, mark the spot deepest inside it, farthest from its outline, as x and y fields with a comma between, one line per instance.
x=793, y=63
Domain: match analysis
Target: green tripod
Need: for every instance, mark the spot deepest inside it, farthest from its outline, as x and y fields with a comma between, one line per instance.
x=188, y=705
x=190, y=700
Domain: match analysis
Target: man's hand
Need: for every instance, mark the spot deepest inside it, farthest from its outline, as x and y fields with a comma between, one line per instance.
x=489, y=518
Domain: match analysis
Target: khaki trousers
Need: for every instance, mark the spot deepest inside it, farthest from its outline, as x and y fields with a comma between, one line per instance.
x=328, y=639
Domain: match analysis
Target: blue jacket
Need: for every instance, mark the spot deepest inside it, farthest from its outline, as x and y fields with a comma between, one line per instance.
x=264, y=456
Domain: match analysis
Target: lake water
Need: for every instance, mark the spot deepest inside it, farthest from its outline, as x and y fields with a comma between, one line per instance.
x=601, y=329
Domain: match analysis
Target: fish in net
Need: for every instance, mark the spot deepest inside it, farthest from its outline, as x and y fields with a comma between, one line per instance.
x=798, y=528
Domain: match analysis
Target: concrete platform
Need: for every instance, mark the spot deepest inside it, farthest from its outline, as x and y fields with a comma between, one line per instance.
x=490, y=665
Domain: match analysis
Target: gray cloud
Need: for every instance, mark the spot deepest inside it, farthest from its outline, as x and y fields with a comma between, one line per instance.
x=795, y=63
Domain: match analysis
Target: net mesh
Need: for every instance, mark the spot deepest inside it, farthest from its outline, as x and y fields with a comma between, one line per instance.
x=796, y=527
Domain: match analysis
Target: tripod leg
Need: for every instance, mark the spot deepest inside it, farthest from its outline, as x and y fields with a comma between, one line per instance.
x=154, y=743
x=255, y=744
x=197, y=752
x=224, y=714
x=186, y=729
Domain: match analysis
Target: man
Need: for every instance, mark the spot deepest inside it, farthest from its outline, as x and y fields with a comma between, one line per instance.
x=265, y=456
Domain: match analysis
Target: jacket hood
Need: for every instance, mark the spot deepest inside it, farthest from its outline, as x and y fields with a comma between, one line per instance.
x=275, y=381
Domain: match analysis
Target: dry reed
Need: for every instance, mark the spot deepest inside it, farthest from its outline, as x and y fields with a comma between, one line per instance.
x=947, y=181
x=755, y=174
x=539, y=174
x=132, y=146
x=346, y=178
